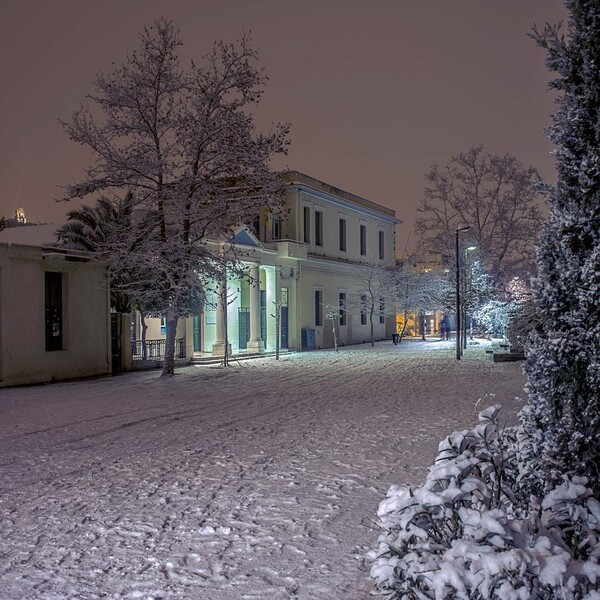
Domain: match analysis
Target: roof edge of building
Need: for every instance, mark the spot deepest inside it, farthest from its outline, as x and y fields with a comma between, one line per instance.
x=293, y=176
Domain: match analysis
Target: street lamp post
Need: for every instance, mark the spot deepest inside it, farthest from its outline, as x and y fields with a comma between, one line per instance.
x=458, y=340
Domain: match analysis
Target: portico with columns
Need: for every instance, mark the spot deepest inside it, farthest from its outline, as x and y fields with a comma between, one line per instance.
x=247, y=310
x=255, y=343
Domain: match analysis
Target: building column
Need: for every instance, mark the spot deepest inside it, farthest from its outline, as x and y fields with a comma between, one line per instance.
x=271, y=300
x=255, y=343
x=218, y=348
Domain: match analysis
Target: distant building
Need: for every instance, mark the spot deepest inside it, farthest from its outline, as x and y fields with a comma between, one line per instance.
x=18, y=221
x=20, y=216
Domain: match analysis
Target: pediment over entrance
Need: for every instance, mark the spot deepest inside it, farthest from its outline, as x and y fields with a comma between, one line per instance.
x=244, y=237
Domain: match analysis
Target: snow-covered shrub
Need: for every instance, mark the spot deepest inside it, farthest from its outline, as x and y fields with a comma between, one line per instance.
x=469, y=532
x=493, y=317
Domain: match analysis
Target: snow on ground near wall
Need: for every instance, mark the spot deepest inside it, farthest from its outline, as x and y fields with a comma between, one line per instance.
x=259, y=481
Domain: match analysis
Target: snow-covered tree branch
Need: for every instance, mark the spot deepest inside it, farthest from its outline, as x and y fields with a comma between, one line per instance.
x=494, y=195
x=183, y=142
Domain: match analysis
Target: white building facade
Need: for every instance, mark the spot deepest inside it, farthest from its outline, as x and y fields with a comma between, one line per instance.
x=308, y=262
x=54, y=314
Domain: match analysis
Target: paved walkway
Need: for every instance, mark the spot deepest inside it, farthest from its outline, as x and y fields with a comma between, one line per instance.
x=258, y=481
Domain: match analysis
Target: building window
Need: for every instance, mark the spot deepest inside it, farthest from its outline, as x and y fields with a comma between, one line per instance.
x=363, y=239
x=307, y=224
x=54, y=311
x=363, y=309
x=210, y=308
x=342, y=304
x=318, y=308
x=343, y=235
x=318, y=228
x=381, y=310
x=256, y=226
x=276, y=228
x=381, y=244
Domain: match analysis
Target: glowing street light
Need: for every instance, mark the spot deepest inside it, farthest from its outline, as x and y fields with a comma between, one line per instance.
x=458, y=343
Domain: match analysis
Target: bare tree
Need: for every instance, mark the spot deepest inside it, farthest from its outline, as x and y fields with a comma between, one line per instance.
x=497, y=197
x=332, y=314
x=376, y=290
x=184, y=143
x=415, y=290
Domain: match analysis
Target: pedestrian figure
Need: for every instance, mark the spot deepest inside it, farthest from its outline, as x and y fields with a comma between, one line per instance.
x=445, y=328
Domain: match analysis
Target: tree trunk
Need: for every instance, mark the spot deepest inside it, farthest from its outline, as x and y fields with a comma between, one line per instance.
x=372, y=330
x=225, y=323
x=334, y=335
x=277, y=325
x=169, y=362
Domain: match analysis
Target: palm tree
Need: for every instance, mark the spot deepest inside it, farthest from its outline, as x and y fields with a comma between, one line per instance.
x=96, y=229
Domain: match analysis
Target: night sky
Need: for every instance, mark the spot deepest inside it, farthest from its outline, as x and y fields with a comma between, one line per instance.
x=376, y=91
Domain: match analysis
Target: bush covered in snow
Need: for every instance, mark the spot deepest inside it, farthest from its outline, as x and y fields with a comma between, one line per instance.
x=493, y=317
x=474, y=529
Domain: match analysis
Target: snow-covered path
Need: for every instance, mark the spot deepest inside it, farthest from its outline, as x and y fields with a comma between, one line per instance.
x=260, y=481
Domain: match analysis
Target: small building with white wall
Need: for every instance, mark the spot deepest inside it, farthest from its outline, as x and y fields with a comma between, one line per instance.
x=54, y=310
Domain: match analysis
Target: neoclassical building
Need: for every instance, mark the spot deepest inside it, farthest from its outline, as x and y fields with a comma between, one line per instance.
x=307, y=266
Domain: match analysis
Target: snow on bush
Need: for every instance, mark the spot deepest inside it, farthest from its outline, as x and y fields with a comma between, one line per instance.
x=474, y=530
x=493, y=317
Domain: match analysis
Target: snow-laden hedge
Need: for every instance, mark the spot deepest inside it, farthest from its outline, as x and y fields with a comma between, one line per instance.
x=473, y=530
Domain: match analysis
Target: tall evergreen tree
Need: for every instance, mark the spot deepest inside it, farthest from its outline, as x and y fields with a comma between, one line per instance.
x=563, y=364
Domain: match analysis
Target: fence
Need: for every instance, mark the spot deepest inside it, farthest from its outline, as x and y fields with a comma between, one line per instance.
x=155, y=349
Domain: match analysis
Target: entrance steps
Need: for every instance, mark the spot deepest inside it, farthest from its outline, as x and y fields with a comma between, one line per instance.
x=205, y=358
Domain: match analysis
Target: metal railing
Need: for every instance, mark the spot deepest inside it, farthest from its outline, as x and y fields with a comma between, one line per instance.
x=155, y=349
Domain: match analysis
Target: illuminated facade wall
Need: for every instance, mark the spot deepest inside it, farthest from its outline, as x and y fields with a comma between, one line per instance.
x=54, y=315
x=309, y=257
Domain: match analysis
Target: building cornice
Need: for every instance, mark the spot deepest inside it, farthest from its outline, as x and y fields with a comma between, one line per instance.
x=339, y=196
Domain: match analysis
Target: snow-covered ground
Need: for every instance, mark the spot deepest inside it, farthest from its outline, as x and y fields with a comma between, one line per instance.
x=259, y=481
